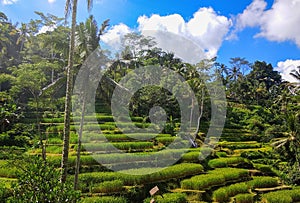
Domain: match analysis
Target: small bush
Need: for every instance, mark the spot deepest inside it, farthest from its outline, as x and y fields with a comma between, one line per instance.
x=109, y=187
x=263, y=182
x=244, y=198
x=7, y=170
x=273, y=197
x=214, y=178
x=221, y=154
x=282, y=196
x=224, y=193
x=220, y=195
x=224, y=162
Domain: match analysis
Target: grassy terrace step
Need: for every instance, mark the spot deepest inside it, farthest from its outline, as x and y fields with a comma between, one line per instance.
x=217, y=177
x=129, y=179
x=124, y=137
x=240, y=145
x=224, y=194
x=106, y=126
x=111, y=147
x=100, y=118
x=228, y=161
x=132, y=159
x=283, y=196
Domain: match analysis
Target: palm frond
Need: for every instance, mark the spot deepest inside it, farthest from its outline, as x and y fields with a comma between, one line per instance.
x=89, y=5
x=68, y=8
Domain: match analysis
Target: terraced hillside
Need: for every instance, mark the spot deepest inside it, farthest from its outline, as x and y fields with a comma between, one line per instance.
x=234, y=171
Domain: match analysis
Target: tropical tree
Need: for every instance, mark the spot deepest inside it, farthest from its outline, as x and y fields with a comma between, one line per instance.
x=71, y=6
x=296, y=73
x=87, y=41
x=30, y=79
x=38, y=181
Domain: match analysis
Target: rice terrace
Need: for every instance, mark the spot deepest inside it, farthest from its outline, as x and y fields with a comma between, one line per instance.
x=149, y=101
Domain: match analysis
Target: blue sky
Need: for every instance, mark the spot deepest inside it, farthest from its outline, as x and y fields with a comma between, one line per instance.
x=255, y=29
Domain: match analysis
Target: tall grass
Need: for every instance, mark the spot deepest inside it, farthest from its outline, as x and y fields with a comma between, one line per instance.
x=214, y=178
x=283, y=196
x=176, y=171
x=108, y=187
x=223, y=194
x=226, y=161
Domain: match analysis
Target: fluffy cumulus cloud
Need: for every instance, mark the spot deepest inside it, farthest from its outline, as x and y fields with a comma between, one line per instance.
x=285, y=67
x=51, y=1
x=252, y=15
x=8, y=2
x=279, y=23
x=206, y=29
x=114, y=36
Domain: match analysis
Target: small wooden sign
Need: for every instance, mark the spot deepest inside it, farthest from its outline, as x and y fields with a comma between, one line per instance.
x=154, y=190
x=152, y=201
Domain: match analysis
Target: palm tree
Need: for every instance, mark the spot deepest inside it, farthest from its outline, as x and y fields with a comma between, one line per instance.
x=71, y=5
x=296, y=73
x=87, y=40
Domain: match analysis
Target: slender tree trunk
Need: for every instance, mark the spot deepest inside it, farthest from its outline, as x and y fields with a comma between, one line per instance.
x=77, y=167
x=200, y=116
x=66, y=139
x=39, y=129
x=191, y=114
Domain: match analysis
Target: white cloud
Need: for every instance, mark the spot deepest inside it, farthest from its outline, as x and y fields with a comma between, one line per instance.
x=114, y=35
x=51, y=1
x=45, y=29
x=279, y=23
x=285, y=67
x=8, y=2
x=206, y=29
x=252, y=15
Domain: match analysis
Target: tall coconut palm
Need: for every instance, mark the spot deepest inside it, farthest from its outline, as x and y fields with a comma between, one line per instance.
x=87, y=40
x=296, y=74
x=71, y=6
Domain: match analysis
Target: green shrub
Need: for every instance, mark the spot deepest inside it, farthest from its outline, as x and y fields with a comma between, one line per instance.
x=5, y=191
x=231, y=174
x=108, y=199
x=221, y=154
x=7, y=170
x=191, y=156
x=40, y=182
x=224, y=193
x=244, y=198
x=176, y=171
x=227, y=161
x=165, y=140
x=108, y=187
x=214, y=178
x=282, y=196
x=119, y=145
x=220, y=195
x=263, y=182
x=54, y=140
x=273, y=197
x=169, y=198
x=252, y=155
x=266, y=169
